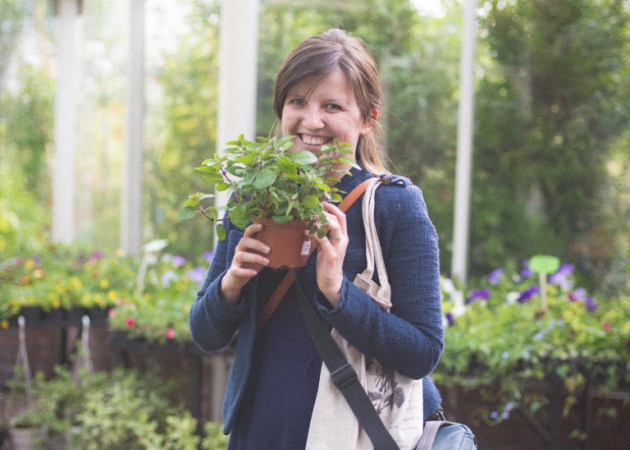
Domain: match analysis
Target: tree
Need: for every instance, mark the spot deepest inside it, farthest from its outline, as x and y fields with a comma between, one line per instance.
x=548, y=108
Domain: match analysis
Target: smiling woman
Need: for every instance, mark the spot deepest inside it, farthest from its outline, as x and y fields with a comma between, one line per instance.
x=327, y=90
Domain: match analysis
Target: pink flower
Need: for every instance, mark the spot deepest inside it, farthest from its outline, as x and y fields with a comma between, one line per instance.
x=112, y=312
x=608, y=327
x=130, y=322
x=170, y=333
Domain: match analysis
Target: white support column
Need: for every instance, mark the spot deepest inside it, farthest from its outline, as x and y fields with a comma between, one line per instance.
x=63, y=160
x=131, y=215
x=465, y=135
x=237, y=73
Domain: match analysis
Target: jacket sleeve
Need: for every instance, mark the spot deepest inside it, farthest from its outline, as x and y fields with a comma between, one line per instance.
x=213, y=321
x=410, y=338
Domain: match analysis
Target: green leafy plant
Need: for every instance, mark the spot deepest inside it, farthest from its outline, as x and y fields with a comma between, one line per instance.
x=503, y=339
x=270, y=180
x=62, y=278
x=132, y=413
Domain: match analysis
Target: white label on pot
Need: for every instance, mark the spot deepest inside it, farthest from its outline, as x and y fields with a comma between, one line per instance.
x=306, y=248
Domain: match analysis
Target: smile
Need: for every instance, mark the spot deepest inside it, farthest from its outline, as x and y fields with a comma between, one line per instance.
x=316, y=141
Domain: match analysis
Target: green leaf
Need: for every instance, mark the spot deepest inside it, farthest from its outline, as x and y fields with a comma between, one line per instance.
x=286, y=165
x=213, y=177
x=265, y=178
x=283, y=219
x=310, y=201
x=544, y=263
x=240, y=216
x=304, y=158
x=221, y=233
x=187, y=213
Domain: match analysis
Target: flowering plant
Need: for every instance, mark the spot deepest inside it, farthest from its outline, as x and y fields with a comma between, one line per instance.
x=501, y=336
x=62, y=278
x=158, y=310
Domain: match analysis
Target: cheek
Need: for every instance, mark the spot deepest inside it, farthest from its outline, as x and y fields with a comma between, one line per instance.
x=287, y=121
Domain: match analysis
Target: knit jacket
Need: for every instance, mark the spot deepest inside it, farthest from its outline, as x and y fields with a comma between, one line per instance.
x=409, y=340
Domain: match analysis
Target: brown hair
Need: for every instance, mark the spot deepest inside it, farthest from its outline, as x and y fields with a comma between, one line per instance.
x=319, y=56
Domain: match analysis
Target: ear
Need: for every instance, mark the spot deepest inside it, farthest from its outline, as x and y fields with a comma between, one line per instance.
x=369, y=123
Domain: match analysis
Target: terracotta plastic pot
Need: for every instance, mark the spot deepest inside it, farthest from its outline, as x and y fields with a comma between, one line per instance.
x=290, y=247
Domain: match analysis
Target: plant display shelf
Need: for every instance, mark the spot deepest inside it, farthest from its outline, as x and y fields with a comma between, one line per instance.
x=35, y=316
x=121, y=341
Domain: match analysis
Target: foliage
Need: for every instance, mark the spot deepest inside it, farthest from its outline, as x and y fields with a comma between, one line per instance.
x=26, y=128
x=552, y=98
x=12, y=13
x=62, y=277
x=186, y=127
x=124, y=409
x=500, y=337
x=131, y=412
x=269, y=180
x=159, y=313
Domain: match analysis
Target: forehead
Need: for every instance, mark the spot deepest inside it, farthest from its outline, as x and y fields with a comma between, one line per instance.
x=334, y=85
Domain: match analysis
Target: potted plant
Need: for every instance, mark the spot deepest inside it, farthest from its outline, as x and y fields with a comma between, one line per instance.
x=273, y=184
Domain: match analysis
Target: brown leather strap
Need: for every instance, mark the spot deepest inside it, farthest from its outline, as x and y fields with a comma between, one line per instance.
x=288, y=279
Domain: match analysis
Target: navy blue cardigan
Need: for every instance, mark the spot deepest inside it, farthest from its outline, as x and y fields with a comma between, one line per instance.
x=409, y=340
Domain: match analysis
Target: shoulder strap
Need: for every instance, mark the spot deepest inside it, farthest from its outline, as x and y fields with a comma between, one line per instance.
x=344, y=377
x=286, y=282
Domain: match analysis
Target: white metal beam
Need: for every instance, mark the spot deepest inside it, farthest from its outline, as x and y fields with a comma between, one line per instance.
x=238, y=55
x=465, y=133
x=63, y=160
x=131, y=215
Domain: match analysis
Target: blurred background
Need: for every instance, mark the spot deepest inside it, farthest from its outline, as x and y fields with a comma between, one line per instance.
x=551, y=161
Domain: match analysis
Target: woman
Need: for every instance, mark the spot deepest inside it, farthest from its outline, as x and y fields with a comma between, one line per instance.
x=327, y=88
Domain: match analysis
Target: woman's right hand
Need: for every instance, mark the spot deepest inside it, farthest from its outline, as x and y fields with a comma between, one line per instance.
x=249, y=259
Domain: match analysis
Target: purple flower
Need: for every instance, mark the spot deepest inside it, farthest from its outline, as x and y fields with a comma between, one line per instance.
x=561, y=277
x=198, y=275
x=96, y=256
x=578, y=295
x=591, y=304
x=495, y=276
x=208, y=255
x=483, y=294
x=526, y=272
x=450, y=319
x=167, y=277
x=527, y=294
x=179, y=261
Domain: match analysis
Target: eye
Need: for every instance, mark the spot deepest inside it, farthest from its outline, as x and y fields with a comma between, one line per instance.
x=296, y=101
x=333, y=106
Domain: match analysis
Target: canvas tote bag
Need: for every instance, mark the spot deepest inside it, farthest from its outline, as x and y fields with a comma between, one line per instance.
x=397, y=398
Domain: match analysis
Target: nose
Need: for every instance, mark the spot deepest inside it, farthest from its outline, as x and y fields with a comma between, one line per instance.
x=313, y=118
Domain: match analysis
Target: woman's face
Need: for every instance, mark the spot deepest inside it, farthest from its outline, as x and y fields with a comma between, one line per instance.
x=329, y=111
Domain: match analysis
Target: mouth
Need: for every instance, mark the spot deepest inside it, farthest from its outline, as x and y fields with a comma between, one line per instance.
x=314, y=141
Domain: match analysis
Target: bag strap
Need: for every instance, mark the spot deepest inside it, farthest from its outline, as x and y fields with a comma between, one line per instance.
x=343, y=375
x=288, y=279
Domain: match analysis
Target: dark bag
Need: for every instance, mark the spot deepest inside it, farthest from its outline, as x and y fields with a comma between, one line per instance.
x=445, y=435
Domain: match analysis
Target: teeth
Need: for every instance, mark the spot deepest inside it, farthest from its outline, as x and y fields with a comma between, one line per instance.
x=314, y=140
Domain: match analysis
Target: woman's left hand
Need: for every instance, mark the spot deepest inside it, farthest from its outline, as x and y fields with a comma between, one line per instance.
x=331, y=253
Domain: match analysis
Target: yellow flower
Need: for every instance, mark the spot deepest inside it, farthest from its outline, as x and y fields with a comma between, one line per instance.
x=4, y=324
x=76, y=283
x=29, y=264
x=56, y=304
x=38, y=273
x=112, y=295
x=104, y=283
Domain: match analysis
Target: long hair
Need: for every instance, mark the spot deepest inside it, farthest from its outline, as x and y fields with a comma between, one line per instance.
x=318, y=57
